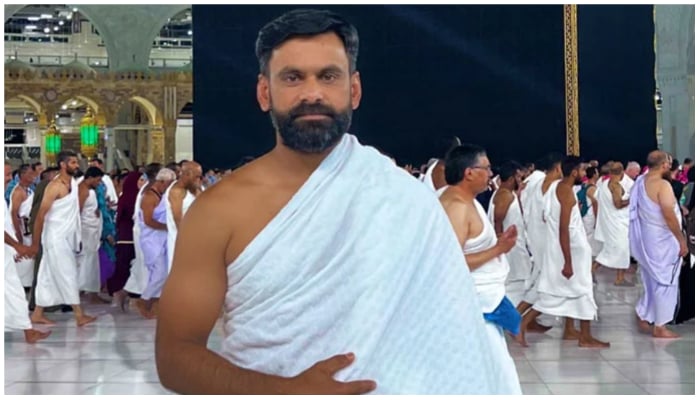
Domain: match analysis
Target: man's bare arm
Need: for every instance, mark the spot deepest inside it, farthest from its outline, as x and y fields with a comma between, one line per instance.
x=175, y=197
x=590, y=193
x=567, y=202
x=667, y=201
x=458, y=215
x=53, y=190
x=616, y=190
x=83, y=194
x=22, y=250
x=148, y=205
x=186, y=318
x=501, y=203
x=18, y=196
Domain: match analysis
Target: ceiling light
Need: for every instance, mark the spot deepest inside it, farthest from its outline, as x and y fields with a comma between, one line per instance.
x=30, y=27
x=46, y=16
x=75, y=9
x=55, y=28
x=47, y=30
x=74, y=103
x=69, y=17
x=61, y=22
x=33, y=18
x=64, y=107
x=189, y=32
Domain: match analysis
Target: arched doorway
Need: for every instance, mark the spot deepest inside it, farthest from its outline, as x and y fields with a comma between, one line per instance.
x=135, y=120
x=53, y=35
x=22, y=134
x=184, y=149
x=172, y=48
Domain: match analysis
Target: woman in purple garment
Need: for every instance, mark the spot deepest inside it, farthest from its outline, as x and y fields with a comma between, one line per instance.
x=125, y=240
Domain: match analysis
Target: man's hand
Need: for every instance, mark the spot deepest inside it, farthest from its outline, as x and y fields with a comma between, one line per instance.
x=24, y=252
x=684, y=249
x=507, y=240
x=319, y=379
x=567, y=271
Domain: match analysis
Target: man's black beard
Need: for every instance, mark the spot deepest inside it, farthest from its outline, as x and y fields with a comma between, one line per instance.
x=311, y=136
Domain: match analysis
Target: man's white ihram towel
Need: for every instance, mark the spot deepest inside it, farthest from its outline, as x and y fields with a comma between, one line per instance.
x=362, y=259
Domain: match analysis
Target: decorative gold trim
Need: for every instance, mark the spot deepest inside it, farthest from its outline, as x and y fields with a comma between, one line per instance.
x=571, y=78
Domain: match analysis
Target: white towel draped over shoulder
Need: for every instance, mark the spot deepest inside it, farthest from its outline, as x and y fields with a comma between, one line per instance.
x=57, y=281
x=612, y=230
x=362, y=259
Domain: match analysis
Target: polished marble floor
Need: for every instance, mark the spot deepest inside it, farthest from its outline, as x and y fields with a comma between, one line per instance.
x=115, y=356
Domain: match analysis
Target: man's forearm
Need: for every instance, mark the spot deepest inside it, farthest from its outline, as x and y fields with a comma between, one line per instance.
x=476, y=260
x=156, y=225
x=18, y=227
x=188, y=368
x=565, y=243
x=37, y=230
x=673, y=225
x=10, y=241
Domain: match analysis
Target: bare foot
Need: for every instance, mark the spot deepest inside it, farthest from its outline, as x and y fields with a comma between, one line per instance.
x=84, y=320
x=121, y=299
x=571, y=335
x=537, y=327
x=643, y=326
x=591, y=342
x=662, y=332
x=96, y=299
x=32, y=335
x=141, y=307
x=42, y=321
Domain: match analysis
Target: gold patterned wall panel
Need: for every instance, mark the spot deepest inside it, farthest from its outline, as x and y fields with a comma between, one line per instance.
x=571, y=79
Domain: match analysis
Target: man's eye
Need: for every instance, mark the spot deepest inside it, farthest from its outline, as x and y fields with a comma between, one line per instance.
x=291, y=78
x=329, y=77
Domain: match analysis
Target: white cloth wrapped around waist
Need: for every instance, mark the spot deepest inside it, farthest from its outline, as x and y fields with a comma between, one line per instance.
x=91, y=223
x=613, y=223
x=518, y=257
x=490, y=277
x=361, y=259
x=62, y=226
x=552, y=281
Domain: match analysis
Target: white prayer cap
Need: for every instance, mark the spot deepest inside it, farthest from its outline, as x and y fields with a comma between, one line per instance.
x=166, y=174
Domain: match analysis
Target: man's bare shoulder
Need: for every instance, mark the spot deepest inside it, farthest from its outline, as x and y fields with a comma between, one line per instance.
x=503, y=197
x=56, y=186
x=235, y=189
x=564, y=192
x=177, y=189
x=19, y=192
x=456, y=205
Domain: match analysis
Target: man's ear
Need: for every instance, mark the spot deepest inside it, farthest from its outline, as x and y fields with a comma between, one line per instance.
x=355, y=90
x=263, y=92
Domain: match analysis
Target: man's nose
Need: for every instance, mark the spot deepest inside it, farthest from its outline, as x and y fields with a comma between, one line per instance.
x=312, y=91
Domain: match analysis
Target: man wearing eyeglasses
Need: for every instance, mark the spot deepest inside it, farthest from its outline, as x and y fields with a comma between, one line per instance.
x=467, y=172
x=658, y=244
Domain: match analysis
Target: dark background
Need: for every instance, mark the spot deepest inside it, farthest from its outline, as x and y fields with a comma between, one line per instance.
x=492, y=75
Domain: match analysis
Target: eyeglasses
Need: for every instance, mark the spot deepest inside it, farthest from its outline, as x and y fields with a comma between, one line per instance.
x=486, y=168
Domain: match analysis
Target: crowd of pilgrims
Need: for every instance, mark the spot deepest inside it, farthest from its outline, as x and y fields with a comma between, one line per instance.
x=129, y=226
x=603, y=199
